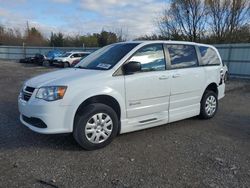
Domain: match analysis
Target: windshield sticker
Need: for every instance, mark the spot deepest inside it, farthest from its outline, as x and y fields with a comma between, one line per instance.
x=103, y=66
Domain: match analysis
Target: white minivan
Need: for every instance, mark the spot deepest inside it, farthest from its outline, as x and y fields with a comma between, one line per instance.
x=125, y=87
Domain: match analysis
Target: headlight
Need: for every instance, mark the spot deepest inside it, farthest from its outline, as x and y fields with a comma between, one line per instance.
x=51, y=93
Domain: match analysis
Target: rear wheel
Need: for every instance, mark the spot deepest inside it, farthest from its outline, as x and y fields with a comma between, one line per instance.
x=95, y=126
x=209, y=105
x=66, y=64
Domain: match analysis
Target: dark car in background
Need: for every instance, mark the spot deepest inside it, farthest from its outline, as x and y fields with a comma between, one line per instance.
x=49, y=57
x=37, y=59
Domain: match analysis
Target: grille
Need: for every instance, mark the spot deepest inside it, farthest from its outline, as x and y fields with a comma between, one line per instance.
x=36, y=122
x=27, y=93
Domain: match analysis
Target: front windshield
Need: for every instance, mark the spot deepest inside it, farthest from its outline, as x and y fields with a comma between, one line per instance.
x=65, y=54
x=106, y=57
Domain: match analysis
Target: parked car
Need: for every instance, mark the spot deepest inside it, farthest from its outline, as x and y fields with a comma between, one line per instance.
x=26, y=60
x=74, y=63
x=66, y=59
x=49, y=57
x=124, y=87
x=38, y=59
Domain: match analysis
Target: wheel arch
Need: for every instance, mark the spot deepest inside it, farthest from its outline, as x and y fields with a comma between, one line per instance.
x=211, y=87
x=104, y=99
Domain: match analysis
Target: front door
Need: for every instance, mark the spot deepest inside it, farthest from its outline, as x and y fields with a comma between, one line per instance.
x=148, y=91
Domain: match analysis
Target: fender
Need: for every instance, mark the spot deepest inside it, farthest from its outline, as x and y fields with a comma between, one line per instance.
x=95, y=92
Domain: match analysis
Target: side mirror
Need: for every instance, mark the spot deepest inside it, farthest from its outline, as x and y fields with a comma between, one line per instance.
x=132, y=67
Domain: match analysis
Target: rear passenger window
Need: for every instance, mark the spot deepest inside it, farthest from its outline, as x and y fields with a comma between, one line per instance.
x=182, y=56
x=83, y=55
x=209, y=56
x=76, y=55
x=151, y=58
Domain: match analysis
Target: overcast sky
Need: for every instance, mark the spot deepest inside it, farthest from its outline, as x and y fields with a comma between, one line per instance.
x=135, y=17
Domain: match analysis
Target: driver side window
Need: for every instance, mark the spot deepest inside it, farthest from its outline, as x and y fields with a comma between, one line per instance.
x=151, y=58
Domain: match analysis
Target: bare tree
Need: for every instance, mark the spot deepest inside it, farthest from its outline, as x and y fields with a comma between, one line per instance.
x=227, y=17
x=121, y=33
x=185, y=19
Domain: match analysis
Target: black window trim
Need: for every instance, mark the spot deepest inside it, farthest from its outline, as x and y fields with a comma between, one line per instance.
x=168, y=63
x=167, y=56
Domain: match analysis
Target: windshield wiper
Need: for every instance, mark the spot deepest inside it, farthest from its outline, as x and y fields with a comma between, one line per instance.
x=80, y=67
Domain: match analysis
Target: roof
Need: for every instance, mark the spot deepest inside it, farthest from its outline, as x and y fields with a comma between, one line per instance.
x=78, y=52
x=166, y=41
x=145, y=42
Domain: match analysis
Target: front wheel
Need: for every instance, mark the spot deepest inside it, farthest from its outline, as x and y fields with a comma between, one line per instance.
x=209, y=105
x=95, y=126
x=46, y=63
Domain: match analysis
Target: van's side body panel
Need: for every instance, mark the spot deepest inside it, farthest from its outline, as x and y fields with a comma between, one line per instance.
x=186, y=92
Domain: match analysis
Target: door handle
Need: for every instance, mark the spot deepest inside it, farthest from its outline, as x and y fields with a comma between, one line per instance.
x=176, y=75
x=163, y=77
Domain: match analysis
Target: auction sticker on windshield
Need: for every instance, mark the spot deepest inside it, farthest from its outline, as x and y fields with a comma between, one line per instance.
x=103, y=66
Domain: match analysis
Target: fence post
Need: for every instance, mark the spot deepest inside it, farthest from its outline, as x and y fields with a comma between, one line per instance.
x=8, y=53
x=24, y=50
x=229, y=58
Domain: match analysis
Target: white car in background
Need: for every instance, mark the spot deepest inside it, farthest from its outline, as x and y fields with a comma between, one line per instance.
x=66, y=59
x=125, y=87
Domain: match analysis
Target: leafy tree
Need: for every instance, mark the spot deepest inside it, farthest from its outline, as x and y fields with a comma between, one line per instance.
x=56, y=40
x=105, y=38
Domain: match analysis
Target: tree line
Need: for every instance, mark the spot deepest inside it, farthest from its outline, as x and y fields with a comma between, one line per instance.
x=33, y=37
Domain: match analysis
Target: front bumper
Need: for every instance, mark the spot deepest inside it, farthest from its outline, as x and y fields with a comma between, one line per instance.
x=221, y=91
x=57, y=63
x=57, y=118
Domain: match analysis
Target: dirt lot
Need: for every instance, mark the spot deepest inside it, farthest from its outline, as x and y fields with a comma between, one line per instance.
x=188, y=153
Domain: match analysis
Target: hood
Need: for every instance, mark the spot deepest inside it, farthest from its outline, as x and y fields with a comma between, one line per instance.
x=62, y=77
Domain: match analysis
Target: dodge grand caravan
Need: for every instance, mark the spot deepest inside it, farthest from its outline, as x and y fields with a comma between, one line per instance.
x=124, y=87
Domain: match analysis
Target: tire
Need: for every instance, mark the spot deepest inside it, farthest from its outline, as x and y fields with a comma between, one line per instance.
x=66, y=65
x=87, y=126
x=46, y=63
x=209, y=105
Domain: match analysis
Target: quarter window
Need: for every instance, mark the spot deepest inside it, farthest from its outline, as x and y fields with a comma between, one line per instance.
x=209, y=56
x=151, y=58
x=83, y=55
x=182, y=56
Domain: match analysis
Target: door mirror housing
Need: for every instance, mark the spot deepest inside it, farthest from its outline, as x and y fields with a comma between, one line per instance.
x=132, y=67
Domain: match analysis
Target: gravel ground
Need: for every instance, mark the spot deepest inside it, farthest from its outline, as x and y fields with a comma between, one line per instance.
x=188, y=153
